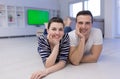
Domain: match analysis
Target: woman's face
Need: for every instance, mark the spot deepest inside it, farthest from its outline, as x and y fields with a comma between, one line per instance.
x=56, y=30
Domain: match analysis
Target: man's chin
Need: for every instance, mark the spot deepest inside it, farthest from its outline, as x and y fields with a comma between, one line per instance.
x=84, y=34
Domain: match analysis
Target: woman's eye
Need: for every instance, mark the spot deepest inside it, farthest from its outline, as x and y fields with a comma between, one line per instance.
x=54, y=29
x=61, y=29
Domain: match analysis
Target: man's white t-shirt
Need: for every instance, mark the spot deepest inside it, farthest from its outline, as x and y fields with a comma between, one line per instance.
x=95, y=38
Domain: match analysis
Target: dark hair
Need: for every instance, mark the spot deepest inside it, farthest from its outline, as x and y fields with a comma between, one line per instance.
x=85, y=12
x=55, y=19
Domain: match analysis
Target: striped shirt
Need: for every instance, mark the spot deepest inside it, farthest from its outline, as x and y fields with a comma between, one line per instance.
x=45, y=50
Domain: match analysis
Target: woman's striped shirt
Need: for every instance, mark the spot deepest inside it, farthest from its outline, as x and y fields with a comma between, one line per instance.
x=45, y=50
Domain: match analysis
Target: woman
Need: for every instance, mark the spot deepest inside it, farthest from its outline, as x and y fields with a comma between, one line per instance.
x=53, y=48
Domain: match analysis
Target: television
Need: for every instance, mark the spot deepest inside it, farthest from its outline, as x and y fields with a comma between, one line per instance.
x=37, y=17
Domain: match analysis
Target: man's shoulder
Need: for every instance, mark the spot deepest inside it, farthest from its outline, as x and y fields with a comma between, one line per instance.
x=71, y=33
x=95, y=29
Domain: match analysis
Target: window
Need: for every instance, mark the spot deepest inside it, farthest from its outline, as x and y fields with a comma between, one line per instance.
x=92, y=5
x=75, y=8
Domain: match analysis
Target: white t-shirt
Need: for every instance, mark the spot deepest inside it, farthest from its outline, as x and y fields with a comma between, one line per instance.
x=95, y=38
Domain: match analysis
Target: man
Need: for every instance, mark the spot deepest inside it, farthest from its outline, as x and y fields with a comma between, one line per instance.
x=85, y=41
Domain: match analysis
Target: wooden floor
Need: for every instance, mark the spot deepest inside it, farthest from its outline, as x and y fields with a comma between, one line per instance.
x=19, y=58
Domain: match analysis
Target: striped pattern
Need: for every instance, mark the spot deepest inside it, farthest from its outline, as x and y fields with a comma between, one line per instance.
x=44, y=48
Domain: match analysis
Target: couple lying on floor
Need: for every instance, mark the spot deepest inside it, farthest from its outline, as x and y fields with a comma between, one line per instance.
x=84, y=44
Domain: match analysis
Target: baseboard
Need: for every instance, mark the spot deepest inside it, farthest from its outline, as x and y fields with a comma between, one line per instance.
x=17, y=36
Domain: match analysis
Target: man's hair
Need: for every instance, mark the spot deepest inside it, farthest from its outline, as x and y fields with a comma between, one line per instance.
x=55, y=19
x=85, y=12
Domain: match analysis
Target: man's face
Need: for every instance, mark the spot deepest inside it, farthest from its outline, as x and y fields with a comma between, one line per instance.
x=84, y=24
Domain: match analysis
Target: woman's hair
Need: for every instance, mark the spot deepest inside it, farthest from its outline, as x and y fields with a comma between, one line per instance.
x=55, y=19
x=85, y=12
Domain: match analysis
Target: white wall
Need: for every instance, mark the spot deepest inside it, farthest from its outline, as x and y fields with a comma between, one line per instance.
x=50, y=4
x=107, y=13
x=25, y=30
x=109, y=18
x=64, y=7
x=65, y=4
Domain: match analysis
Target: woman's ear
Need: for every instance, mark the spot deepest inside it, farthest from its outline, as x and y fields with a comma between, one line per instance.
x=47, y=30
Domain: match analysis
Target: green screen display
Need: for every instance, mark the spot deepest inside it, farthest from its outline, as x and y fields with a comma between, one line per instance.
x=37, y=17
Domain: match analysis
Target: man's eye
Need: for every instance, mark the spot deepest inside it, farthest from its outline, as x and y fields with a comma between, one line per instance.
x=87, y=22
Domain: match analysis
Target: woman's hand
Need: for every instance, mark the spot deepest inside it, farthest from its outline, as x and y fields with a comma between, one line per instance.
x=39, y=74
x=53, y=40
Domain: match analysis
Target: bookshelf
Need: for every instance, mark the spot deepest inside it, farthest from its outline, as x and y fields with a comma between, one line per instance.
x=11, y=16
x=2, y=15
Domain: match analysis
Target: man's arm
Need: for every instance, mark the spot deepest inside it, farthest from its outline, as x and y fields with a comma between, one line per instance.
x=76, y=53
x=94, y=55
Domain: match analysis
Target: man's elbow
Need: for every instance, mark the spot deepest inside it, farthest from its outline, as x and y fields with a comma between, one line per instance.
x=76, y=63
x=94, y=60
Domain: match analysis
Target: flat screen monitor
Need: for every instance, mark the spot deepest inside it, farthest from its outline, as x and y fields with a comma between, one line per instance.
x=37, y=17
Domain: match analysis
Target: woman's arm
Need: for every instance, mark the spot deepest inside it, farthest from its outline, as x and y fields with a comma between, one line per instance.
x=50, y=61
x=63, y=56
x=61, y=64
x=46, y=71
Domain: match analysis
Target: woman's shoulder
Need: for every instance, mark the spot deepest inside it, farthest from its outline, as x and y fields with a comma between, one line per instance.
x=42, y=37
x=65, y=37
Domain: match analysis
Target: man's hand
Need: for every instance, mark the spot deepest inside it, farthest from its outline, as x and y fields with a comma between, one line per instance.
x=80, y=35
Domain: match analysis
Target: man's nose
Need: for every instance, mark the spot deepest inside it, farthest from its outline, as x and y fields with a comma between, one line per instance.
x=83, y=25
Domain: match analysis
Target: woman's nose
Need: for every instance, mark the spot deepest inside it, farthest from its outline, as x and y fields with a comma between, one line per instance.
x=57, y=32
